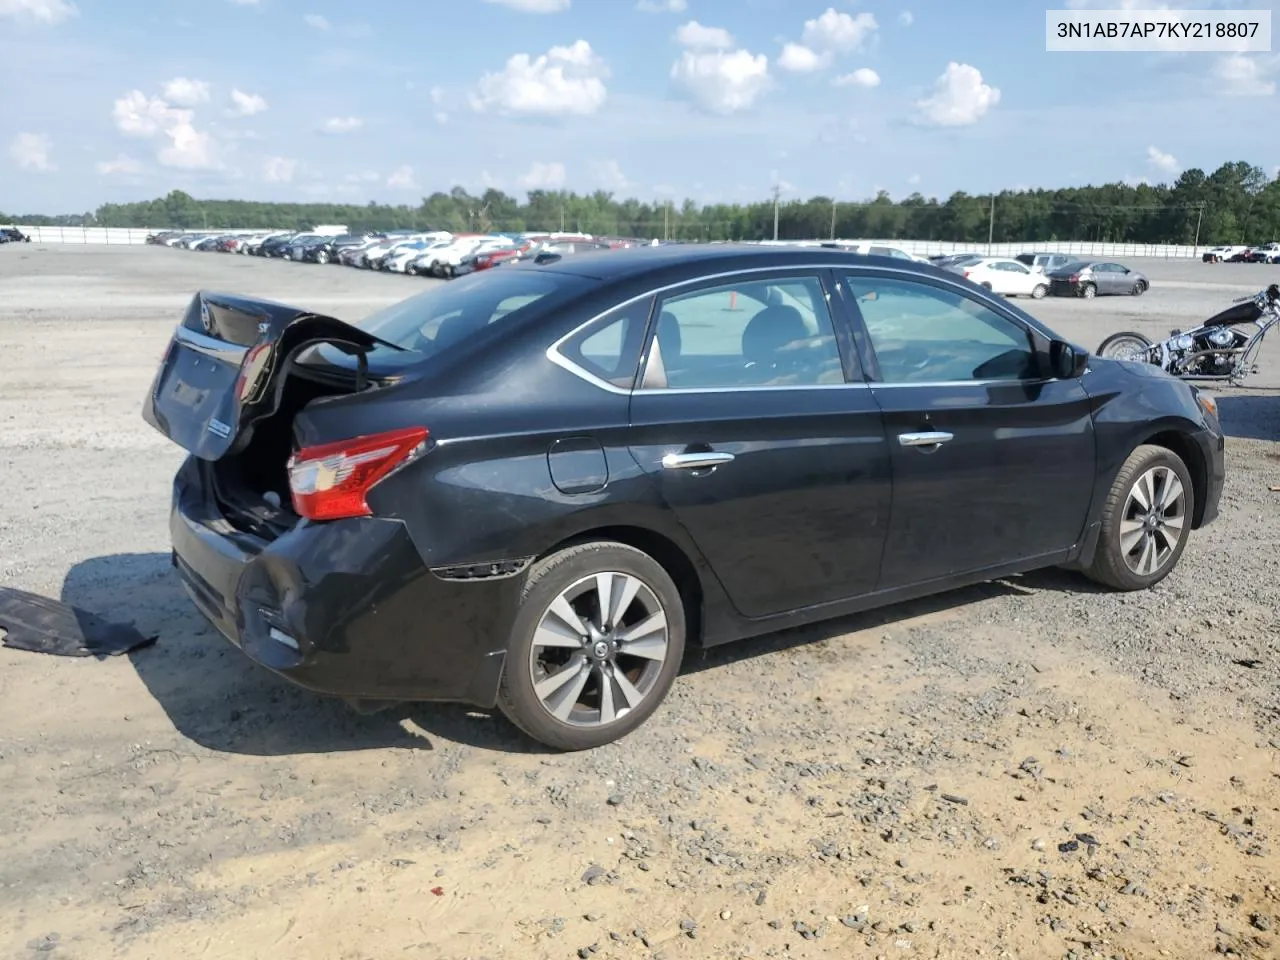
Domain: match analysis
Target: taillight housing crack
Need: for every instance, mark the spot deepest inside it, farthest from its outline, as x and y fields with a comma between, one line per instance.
x=331, y=481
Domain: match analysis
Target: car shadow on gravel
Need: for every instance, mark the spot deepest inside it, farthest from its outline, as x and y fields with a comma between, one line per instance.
x=1250, y=416
x=1051, y=579
x=217, y=697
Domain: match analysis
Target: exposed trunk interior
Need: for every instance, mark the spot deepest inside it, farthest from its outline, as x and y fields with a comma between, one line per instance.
x=252, y=487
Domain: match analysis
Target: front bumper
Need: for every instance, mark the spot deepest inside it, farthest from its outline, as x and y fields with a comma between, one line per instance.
x=345, y=608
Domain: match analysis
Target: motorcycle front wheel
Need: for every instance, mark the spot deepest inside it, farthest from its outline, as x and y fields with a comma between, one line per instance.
x=1124, y=346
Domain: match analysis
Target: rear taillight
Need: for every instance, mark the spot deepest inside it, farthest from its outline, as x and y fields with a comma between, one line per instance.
x=1074, y=278
x=251, y=367
x=966, y=274
x=330, y=481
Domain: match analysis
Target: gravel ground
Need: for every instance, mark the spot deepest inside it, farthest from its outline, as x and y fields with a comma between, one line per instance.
x=1027, y=769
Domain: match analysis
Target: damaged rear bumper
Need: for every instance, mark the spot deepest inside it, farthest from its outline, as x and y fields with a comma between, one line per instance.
x=345, y=608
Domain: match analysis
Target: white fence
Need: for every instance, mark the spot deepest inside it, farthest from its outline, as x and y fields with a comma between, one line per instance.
x=120, y=236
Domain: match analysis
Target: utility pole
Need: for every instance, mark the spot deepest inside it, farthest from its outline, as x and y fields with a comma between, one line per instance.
x=777, y=192
x=1199, y=217
x=991, y=224
x=666, y=220
x=833, y=219
x=562, y=217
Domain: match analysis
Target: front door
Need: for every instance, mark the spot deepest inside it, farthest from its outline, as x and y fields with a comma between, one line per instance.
x=993, y=461
x=773, y=461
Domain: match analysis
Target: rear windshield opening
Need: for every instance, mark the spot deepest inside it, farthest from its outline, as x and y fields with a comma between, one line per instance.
x=449, y=313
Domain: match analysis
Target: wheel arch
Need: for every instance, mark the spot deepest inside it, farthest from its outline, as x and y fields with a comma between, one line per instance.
x=1188, y=451
x=670, y=556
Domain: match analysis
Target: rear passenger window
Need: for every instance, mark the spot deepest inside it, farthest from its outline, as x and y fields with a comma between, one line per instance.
x=775, y=332
x=610, y=348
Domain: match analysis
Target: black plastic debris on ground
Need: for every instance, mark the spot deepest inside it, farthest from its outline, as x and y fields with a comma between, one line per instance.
x=40, y=625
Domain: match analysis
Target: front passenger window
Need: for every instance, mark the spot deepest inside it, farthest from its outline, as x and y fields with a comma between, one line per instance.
x=926, y=334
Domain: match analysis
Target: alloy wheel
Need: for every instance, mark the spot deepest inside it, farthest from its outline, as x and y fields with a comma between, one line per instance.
x=1153, y=520
x=599, y=649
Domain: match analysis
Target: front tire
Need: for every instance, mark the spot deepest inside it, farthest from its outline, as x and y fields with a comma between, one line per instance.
x=322, y=257
x=595, y=647
x=1146, y=520
x=1124, y=346
x=1139, y=289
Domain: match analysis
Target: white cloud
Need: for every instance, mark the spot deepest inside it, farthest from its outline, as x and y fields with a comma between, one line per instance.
x=662, y=6
x=51, y=12
x=247, y=104
x=906, y=18
x=316, y=22
x=186, y=93
x=562, y=81
x=437, y=95
x=798, y=58
x=138, y=115
x=960, y=97
x=610, y=176
x=1247, y=76
x=862, y=77
x=367, y=176
x=123, y=163
x=544, y=176
x=402, y=179
x=534, y=6
x=1164, y=162
x=30, y=151
x=697, y=37
x=341, y=124
x=838, y=32
x=721, y=82
x=189, y=149
x=278, y=169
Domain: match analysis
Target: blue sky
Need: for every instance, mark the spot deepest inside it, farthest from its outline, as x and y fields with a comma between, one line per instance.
x=717, y=100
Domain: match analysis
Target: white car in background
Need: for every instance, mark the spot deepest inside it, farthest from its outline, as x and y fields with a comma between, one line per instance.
x=1009, y=278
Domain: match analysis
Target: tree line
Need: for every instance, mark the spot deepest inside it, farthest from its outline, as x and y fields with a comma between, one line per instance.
x=1236, y=203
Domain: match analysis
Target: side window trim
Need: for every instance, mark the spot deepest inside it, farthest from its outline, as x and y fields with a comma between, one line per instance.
x=632, y=343
x=871, y=363
x=652, y=375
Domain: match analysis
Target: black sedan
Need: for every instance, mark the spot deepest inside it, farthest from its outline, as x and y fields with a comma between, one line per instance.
x=13, y=235
x=535, y=487
x=1096, y=278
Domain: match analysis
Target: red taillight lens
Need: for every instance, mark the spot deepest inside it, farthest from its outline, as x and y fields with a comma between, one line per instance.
x=966, y=274
x=251, y=367
x=330, y=481
x=1074, y=278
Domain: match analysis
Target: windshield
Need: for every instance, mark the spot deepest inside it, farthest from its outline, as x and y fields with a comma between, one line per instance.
x=449, y=313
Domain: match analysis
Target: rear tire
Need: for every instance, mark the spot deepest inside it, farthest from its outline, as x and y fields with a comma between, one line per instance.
x=1146, y=521
x=1123, y=346
x=1039, y=292
x=606, y=680
x=1088, y=291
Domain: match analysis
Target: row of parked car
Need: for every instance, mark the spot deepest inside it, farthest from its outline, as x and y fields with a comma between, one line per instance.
x=1267, y=253
x=1038, y=275
x=436, y=253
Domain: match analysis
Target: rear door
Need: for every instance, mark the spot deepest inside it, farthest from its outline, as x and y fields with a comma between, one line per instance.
x=993, y=460
x=750, y=419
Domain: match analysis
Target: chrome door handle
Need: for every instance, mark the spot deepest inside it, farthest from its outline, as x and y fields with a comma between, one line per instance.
x=929, y=439
x=695, y=461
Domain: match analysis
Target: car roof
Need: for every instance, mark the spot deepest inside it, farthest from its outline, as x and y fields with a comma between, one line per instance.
x=630, y=263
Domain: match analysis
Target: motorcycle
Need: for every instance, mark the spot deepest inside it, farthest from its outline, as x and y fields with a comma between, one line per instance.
x=1215, y=350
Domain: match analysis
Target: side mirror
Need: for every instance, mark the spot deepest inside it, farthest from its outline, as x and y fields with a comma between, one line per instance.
x=1067, y=361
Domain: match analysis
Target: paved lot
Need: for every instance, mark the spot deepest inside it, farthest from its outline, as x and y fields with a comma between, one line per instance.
x=1025, y=769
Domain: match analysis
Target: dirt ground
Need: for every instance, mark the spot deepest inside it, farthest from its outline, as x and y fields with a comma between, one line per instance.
x=1027, y=769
